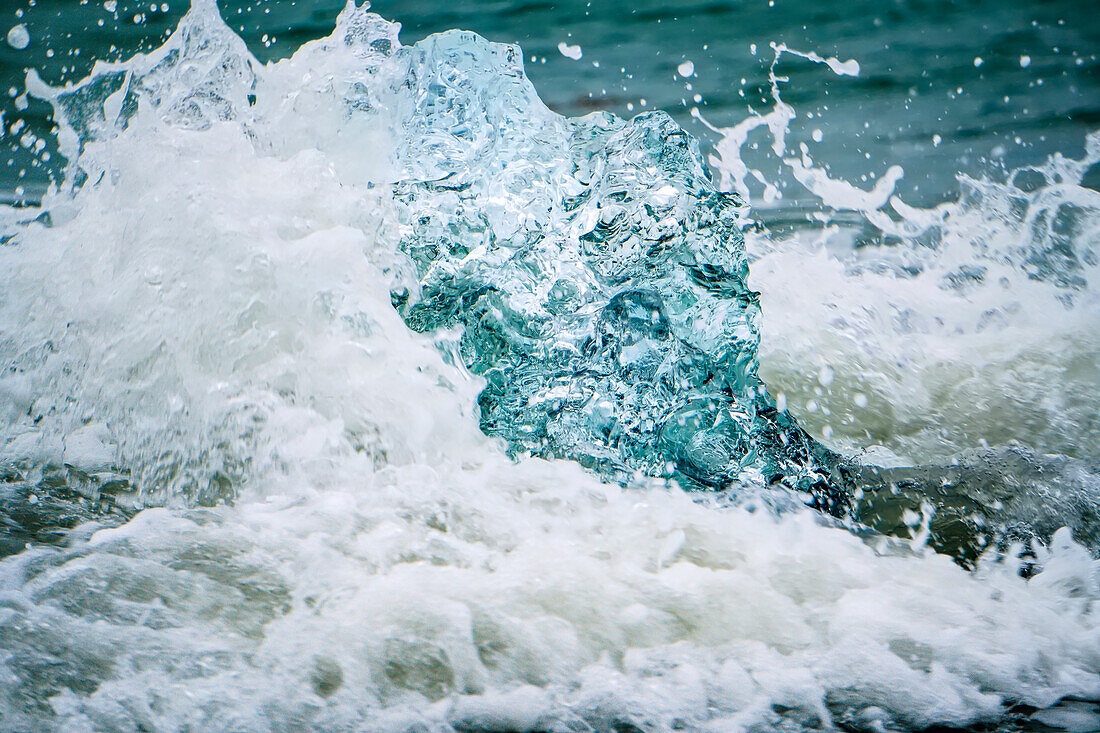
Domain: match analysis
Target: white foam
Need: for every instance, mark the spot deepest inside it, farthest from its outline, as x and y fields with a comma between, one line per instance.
x=964, y=326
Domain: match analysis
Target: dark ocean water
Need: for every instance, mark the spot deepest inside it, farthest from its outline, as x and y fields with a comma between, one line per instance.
x=945, y=88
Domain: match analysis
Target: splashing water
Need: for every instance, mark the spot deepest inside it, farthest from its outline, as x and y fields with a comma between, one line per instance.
x=206, y=312
x=962, y=336
x=598, y=277
x=907, y=314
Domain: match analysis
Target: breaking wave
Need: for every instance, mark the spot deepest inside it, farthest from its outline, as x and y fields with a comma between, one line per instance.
x=211, y=319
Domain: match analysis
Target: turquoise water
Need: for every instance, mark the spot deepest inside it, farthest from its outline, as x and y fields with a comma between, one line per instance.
x=920, y=80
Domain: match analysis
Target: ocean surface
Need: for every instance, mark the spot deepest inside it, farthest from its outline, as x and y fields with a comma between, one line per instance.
x=526, y=366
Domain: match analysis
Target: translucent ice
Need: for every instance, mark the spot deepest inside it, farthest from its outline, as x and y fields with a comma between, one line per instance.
x=596, y=275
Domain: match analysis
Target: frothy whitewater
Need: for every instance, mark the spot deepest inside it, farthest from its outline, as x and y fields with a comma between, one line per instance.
x=202, y=321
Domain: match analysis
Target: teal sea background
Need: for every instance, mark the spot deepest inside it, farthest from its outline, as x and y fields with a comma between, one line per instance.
x=945, y=87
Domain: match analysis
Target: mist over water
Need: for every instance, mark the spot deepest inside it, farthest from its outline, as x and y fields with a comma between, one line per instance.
x=241, y=493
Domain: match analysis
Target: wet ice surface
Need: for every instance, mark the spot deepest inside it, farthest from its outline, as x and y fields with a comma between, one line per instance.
x=210, y=317
x=597, y=277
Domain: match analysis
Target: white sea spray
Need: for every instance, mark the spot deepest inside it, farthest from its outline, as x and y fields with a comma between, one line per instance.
x=968, y=323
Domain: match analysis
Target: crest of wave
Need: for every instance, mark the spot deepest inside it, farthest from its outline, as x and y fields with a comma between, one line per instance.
x=586, y=268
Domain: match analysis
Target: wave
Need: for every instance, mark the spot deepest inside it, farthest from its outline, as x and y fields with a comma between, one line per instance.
x=210, y=315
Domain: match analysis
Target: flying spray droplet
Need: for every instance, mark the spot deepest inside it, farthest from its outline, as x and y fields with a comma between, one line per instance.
x=18, y=37
x=570, y=52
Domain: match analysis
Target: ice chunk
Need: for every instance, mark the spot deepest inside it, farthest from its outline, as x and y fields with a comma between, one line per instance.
x=598, y=276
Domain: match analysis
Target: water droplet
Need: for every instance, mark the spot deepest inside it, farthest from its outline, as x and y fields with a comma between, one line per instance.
x=1025, y=61
x=570, y=52
x=686, y=69
x=18, y=37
